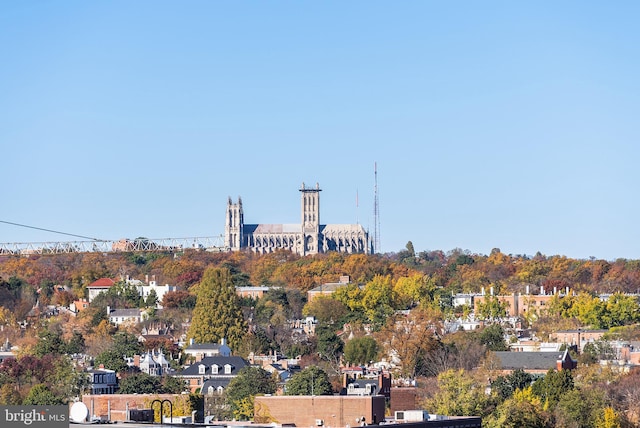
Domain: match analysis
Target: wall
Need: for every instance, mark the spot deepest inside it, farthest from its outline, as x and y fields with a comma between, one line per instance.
x=333, y=410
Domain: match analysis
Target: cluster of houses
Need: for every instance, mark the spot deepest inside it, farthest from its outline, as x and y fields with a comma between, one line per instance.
x=368, y=392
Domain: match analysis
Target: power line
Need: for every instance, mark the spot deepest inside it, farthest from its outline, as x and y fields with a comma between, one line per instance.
x=49, y=230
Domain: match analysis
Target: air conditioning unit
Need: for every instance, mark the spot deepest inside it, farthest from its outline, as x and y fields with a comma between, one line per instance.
x=319, y=422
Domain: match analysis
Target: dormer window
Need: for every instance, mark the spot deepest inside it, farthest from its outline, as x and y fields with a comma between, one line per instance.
x=201, y=369
x=214, y=369
x=227, y=369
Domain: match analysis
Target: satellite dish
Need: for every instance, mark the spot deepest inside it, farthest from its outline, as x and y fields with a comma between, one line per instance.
x=79, y=412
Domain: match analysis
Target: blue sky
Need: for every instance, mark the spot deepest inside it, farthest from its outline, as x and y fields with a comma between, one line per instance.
x=493, y=124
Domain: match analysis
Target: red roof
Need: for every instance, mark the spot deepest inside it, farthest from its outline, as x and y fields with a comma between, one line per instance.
x=102, y=283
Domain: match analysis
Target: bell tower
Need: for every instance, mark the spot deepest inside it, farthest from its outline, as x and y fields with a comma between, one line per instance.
x=310, y=220
x=234, y=225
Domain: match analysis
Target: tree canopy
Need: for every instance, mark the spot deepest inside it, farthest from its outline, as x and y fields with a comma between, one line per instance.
x=217, y=314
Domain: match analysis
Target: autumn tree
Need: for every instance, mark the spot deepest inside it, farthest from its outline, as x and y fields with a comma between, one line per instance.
x=217, y=314
x=410, y=337
x=378, y=300
x=459, y=394
x=325, y=309
x=491, y=308
x=523, y=409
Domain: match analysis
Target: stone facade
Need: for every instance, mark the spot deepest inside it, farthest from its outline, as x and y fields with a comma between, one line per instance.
x=308, y=237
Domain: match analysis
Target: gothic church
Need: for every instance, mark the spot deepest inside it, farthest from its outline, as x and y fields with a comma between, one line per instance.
x=308, y=237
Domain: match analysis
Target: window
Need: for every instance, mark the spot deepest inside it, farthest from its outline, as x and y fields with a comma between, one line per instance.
x=214, y=369
x=201, y=369
x=227, y=369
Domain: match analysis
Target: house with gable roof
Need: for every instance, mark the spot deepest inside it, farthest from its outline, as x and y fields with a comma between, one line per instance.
x=536, y=363
x=212, y=373
x=154, y=364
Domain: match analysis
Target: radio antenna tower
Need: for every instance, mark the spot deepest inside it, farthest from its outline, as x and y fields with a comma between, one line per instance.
x=376, y=211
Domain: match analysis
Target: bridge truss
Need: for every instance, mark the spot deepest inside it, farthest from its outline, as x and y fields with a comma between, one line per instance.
x=208, y=243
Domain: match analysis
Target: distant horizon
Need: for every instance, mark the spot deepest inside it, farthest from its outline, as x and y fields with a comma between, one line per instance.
x=87, y=239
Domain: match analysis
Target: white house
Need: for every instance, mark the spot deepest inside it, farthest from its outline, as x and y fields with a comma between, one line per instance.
x=126, y=316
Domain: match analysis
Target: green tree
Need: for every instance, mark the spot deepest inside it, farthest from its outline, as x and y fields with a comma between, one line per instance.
x=151, y=300
x=111, y=359
x=172, y=385
x=329, y=347
x=76, y=345
x=49, y=342
x=580, y=407
x=250, y=382
x=492, y=337
x=361, y=350
x=41, y=395
x=217, y=314
x=140, y=383
x=553, y=386
x=506, y=385
x=310, y=381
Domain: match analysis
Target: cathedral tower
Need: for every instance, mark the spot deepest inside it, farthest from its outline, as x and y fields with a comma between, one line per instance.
x=310, y=221
x=234, y=226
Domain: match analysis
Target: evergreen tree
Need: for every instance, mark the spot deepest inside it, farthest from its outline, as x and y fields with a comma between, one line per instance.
x=217, y=314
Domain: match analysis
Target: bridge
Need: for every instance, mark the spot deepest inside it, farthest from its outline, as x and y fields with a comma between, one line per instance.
x=207, y=243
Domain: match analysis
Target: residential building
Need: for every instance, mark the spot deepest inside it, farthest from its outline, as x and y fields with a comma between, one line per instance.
x=102, y=381
x=198, y=351
x=252, y=292
x=126, y=316
x=99, y=286
x=218, y=370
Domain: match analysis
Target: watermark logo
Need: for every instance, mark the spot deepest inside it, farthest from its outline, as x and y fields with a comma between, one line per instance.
x=34, y=416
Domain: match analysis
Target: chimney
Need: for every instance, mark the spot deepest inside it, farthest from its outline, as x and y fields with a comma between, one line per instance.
x=223, y=341
x=146, y=279
x=542, y=290
x=527, y=289
x=491, y=291
x=108, y=310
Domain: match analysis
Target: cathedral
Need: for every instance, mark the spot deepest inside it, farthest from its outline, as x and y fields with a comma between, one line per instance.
x=308, y=237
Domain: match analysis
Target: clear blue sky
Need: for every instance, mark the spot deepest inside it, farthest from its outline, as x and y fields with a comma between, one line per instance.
x=493, y=124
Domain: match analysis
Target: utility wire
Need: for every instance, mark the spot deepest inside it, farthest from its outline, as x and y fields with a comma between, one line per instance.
x=49, y=230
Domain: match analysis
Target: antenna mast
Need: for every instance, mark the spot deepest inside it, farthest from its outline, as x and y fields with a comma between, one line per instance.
x=376, y=211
